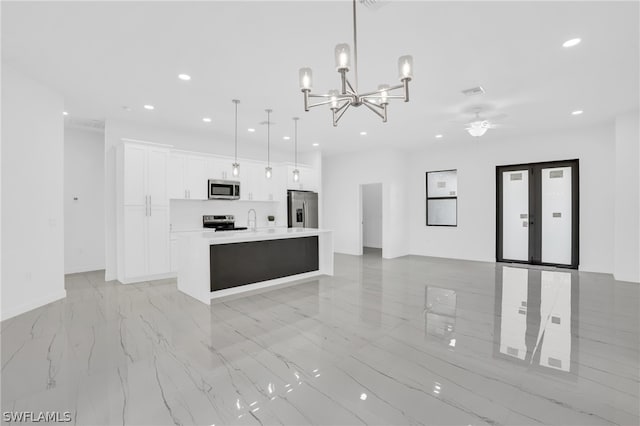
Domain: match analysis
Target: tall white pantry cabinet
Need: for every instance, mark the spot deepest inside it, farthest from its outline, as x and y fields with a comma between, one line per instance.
x=142, y=211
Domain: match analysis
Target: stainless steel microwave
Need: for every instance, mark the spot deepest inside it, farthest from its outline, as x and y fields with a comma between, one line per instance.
x=224, y=189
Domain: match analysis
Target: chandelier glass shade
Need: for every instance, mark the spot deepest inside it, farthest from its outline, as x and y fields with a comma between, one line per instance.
x=340, y=100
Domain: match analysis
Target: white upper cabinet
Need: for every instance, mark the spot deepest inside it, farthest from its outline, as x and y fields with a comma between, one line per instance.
x=188, y=176
x=308, y=181
x=256, y=187
x=145, y=175
x=135, y=179
x=157, y=167
x=220, y=168
x=196, y=177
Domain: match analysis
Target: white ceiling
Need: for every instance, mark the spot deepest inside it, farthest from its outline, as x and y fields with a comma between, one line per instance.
x=104, y=55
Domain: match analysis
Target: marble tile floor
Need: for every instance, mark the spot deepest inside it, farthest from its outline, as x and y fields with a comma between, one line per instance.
x=413, y=340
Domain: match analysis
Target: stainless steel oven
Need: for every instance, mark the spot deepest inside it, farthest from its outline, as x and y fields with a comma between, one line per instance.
x=224, y=189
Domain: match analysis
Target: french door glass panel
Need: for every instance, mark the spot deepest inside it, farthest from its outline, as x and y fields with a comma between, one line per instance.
x=515, y=214
x=556, y=215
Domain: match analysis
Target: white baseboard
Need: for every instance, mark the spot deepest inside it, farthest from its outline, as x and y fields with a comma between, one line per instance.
x=80, y=269
x=33, y=304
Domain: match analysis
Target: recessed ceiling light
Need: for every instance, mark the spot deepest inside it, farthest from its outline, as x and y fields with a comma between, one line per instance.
x=578, y=112
x=438, y=136
x=206, y=120
x=149, y=107
x=363, y=133
x=286, y=138
x=572, y=42
x=185, y=77
x=251, y=130
x=316, y=144
x=65, y=113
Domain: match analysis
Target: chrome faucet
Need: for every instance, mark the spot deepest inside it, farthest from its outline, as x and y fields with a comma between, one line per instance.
x=255, y=219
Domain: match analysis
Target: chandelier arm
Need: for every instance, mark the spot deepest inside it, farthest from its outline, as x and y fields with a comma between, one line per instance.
x=338, y=114
x=353, y=91
x=368, y=102
x=320, y=103
x=379, y=91
x=318, y=96
x=368, y=105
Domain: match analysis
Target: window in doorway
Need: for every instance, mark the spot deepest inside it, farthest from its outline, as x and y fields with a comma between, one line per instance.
x=442, y=198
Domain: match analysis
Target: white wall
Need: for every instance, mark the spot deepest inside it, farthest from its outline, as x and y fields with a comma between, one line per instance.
x=372, y=215
x=83, y=200
x=342, y=176
x=32, y=193
x=476, y=160
x=187, y=214
x=627, y=193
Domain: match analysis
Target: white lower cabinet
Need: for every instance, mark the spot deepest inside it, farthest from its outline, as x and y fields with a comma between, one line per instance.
x=146, y=241
x=135, y=241
x=157, y=239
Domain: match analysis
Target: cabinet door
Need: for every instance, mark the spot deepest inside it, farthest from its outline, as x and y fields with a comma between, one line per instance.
x=174, y=254
x=135, y=239
x=177, y=187
x=157, y=167
x=220, y=168
x=135, y=175
x=311, y=181
x=158, y=240
x=196, y=177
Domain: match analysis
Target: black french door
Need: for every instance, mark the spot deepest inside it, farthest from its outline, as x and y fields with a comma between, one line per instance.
x=537, y=213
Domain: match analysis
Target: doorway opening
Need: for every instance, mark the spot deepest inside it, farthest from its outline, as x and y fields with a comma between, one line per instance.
x=371, y=219
x=537, y=213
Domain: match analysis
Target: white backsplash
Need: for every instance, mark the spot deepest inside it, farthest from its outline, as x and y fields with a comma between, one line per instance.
x=187, y=214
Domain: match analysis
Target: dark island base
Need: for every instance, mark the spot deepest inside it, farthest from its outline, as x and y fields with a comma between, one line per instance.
x=237, y=264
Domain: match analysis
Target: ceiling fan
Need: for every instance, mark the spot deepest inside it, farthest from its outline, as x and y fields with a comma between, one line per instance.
x=480, y=125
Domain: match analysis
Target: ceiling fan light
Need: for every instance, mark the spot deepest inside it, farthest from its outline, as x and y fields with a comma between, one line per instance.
x=477, y=131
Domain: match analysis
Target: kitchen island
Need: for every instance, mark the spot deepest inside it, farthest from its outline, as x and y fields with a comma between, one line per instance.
x=217, y=264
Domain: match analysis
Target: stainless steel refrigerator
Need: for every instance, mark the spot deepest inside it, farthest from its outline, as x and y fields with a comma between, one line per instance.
x=302, y=209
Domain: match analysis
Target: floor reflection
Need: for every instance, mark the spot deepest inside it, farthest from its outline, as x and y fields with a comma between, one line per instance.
x=440, y=314
x=536, y=318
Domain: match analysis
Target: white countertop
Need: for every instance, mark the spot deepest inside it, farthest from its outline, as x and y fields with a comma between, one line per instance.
x=226, y=237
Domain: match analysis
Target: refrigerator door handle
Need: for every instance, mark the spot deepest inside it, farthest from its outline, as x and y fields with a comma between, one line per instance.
x=304, y=214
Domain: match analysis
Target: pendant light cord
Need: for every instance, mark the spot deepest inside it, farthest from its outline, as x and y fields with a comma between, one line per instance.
x=236, y=138
x=295, y=121
x=355, y=47
x=269, y=138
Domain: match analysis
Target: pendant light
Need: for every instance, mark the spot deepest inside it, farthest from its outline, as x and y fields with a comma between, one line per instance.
x=296, y=172
x=268, y=171
x=235, y=167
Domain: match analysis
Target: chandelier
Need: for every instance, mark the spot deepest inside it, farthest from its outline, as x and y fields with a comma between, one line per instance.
x=348, y=95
